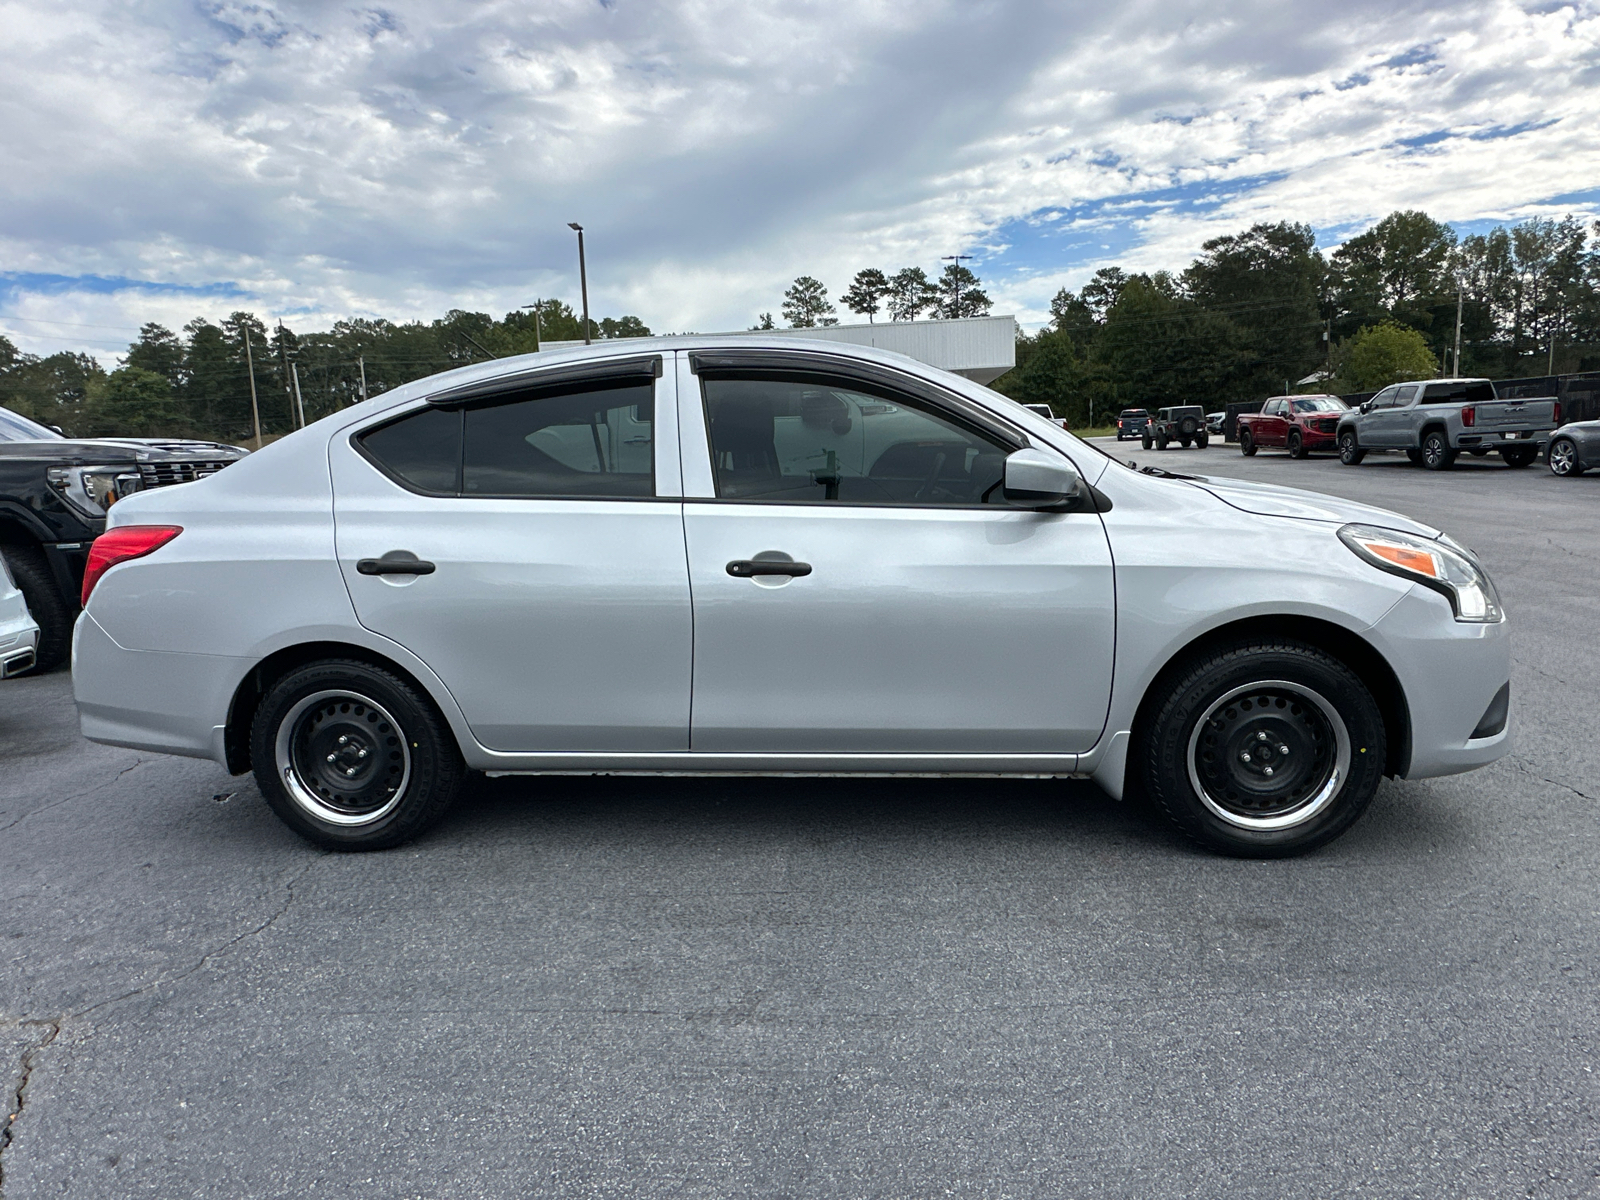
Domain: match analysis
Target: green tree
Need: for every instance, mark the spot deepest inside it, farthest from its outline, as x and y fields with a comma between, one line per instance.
x=1383, y=354
x=623, y=327
x=910, y=292
x=805, y=304
x=134, y=402
x=158, y=349
x=867, y=292
x=1049, y=371
x=1103, y=291
x=1158, y=348
x=764, y=321
x=959, y=294
x=1398, y=270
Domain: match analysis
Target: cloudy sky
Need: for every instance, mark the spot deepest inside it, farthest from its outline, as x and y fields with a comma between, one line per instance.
x=168, y=158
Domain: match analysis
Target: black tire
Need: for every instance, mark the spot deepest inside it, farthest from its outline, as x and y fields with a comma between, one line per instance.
x=1144, y=440
x=1436, y=452
x=48, y=608
x=1296, y=444
x=403, y=761
x=1414, y=457
x=1161, y=441
x=1201, y=441
x=1247, y=443
x=1563, y=459
x=1519, y=456
x=1479, y=452
x=1316, y=711
x=1350, y=451
x=1185, y=441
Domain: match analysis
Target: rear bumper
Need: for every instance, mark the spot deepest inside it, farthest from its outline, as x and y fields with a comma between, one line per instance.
x=163, y=701
x=19, y=639
x=1506, y=437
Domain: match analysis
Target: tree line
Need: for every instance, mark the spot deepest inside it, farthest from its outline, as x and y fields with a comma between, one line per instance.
x=1253, y=314
x=197, y=382
x=1260, y=310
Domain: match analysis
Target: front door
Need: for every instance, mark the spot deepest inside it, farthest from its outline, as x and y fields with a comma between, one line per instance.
x=557, y=610
x=857, y=587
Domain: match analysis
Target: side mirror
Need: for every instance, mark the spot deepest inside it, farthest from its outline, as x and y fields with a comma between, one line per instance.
x=1035, y=479
x=1366, y=406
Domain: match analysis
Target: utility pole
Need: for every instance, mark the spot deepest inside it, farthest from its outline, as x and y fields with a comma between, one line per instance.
x=250, y=366
x=283, y=355
x=583, y=279
x=1551, y=369
x=1458, y=329
x=957, y=259
x=361, y=361
x=299, y=402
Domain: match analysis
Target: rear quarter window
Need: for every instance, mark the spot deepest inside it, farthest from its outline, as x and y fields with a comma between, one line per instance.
x=421, y=450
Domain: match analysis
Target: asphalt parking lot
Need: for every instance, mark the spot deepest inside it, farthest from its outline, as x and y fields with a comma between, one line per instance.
x=642, y=987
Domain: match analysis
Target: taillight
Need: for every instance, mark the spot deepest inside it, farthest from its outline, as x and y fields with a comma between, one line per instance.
x=1469, y=416
x=1558, y=412
x=121, y=544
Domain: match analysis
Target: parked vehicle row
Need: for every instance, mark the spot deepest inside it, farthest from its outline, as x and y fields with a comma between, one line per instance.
x=756, y=556
x=54, y=496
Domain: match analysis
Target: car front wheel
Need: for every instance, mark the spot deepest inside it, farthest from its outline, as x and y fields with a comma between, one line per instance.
x=1350, y=452
x=1564, y=459
x=352, y=757
x=1264, y=750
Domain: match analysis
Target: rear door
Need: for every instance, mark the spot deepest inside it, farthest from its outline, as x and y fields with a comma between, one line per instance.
x=557, y=610
x=916, y=615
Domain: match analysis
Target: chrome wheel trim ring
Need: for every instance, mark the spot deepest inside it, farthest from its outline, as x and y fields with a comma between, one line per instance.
x=305, y=796
x=1563, y=457
x=1319, y=799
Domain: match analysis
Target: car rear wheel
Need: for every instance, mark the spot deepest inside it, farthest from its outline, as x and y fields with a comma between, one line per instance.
x=1144, y=440
x=1350, y=451
x=1519, y=456
x=1185, y=441
x=1436, y=452
x=1161, y=441
x=352, y=757
x=1564, y=459
x=1201, y=440
x=1296, y=444
x=49, y=611
x=1479, y=452
x=1264, y=750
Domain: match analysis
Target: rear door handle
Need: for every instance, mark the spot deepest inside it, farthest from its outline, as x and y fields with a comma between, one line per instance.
x=745, y=568
x=396, y=562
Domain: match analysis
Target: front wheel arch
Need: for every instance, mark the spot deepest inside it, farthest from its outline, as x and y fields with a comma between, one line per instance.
x=1349, y=648
x=259, y=679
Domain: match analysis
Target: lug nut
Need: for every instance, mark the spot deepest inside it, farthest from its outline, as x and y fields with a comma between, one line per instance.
x=330, y=757
x=343, y=739
x=1260, y=737
x=1245, y=757
x=350, y=771
x=1264, y=771
x=1283, y=749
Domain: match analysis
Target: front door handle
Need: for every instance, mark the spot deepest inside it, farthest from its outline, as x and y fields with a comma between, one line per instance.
x=396, y=562
x=745, y=568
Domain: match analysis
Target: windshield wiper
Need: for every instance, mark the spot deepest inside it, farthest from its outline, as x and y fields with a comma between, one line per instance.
x=1160, y=472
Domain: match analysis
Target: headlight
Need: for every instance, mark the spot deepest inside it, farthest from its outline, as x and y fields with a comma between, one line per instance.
x=93, y=490
x=1445, y=566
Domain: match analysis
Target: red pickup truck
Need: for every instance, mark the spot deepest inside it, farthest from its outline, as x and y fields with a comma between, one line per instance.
x=1298, y=424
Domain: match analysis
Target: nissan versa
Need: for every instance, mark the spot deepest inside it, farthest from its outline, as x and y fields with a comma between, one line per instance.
x=748, y=556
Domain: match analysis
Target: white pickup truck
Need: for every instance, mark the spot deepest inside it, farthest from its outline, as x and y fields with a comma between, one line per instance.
x=1434, y=420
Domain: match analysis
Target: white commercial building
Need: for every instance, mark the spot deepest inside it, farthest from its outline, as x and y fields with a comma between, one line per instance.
x=981, y=348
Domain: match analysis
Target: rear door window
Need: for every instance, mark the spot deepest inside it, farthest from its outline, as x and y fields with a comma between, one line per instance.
x=588, y=443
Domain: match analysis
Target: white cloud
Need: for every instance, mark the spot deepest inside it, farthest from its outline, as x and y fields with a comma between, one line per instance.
x=408, y=158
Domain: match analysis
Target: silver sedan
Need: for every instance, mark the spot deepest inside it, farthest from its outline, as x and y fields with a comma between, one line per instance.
x=749, y=556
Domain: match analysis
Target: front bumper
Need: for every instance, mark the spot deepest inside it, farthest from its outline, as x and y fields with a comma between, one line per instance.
x=1450, y=672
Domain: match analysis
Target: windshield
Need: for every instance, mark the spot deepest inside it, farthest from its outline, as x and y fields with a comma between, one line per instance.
x=14, y=428
x=1320, y=404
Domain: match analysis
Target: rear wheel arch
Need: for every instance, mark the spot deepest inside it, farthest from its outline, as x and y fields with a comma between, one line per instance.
x=1351, y=649
x=258, y=681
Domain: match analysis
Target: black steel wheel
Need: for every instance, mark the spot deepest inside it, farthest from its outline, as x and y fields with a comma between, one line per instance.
x=1263, y=750
x=1350, y=451
x=1247, y=443
x=352, y=757
x=1296, y=444
x=1564, y=460
x=50, y=611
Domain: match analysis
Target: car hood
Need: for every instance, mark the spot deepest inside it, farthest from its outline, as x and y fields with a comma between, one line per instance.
x=1271, y=500
x=77, y=451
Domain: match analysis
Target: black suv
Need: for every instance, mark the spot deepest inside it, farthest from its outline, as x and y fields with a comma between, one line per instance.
x=54, y=492
x=1186, y=426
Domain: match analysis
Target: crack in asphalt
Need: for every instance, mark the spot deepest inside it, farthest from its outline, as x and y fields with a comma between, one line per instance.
x=53, y=1025
x=138, y=762
x=1527, y=767
x=19, y=1095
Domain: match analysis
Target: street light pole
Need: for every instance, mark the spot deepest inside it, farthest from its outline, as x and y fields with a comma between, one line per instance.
x=583, y=279
x=957, y=259
x=1458, y=329
x=538, y=329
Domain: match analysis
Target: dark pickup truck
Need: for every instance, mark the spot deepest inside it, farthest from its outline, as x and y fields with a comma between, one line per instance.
x=54, y=493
